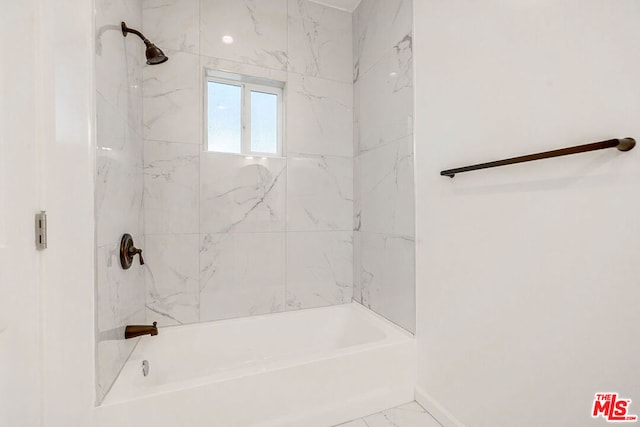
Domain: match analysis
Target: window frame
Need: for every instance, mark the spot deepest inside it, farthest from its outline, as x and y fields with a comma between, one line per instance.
x=248, y=84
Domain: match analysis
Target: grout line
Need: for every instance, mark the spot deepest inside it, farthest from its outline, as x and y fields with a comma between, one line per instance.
x=286, y=176
x=200, y=150
x=170, y=142
x=362, y=152
x=346, y=230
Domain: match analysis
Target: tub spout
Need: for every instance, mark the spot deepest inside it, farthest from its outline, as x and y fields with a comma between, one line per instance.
x=132, y=331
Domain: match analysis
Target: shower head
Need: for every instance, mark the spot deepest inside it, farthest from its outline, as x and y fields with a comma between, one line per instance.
x=153, y=53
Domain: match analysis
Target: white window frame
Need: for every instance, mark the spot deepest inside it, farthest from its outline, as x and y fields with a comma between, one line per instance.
x=247, y=84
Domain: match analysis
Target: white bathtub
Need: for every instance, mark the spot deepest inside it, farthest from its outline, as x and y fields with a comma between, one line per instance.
x=315, y=367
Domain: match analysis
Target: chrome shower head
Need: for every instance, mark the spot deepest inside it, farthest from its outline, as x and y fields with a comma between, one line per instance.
x=154, y=54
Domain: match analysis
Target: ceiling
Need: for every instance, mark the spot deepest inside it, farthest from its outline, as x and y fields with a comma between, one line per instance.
x=348, y=5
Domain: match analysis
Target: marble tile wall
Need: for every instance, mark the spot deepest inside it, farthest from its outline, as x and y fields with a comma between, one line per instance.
x=229, y=236
x=384, y=253
x=119, y=183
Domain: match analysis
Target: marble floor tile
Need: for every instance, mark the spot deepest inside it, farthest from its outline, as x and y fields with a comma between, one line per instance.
x=408, y=415
x=355, y=423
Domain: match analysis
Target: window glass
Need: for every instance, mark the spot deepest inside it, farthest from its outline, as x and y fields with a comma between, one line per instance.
x=243, y=114
x=225, y=117
x=264, y=122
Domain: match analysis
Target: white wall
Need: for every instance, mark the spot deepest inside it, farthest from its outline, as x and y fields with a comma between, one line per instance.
x=68, y=109
x=46, y=305
x=528, y=275
x=20, y=343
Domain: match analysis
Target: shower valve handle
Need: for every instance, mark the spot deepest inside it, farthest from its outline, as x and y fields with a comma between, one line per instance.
x=133, y=251
x=128, y=251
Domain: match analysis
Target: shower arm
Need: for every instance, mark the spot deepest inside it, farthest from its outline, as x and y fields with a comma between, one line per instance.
x=154, y=54
x=126, y=30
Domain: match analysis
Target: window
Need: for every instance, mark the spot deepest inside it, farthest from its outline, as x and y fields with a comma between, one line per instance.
x=243, y=114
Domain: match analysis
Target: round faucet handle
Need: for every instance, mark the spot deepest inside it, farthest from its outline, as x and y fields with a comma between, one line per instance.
x=128, y=251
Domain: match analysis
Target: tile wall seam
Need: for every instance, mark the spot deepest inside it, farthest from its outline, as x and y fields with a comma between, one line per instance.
x=166, y=141
x=390, y=53
x=313, y=155
x=286, y=184
x=385, y=144
x=144, y=164
x=200, y=151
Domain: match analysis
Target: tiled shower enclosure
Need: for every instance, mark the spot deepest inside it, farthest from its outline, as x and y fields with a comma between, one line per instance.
x=228, y=235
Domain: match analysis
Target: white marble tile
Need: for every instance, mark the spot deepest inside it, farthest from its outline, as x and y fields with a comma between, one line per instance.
x=319, y=193
x=354, y=423
x=356, y=118
x=173, y=99
x=385, y=102
x=383, y=167
x=409, y=415
x=120, y=301
x=258, y=28
x=119, y=60
x=319, y=268
x=378, y=27
x=346, y=5
x=241, y=274
x=119, y=179
x=220, y=64
x=118, y=192
x=386, y=189
x=319, y=116
x=320, y=41
x=173, y=24
x=119, y=80
x=240, y=194
x=357, y=193
x=112, y=12
x=171, y=195
x=357, y=267
x=121, y=296
x=172, y=278
x=111, y=354
x=387, y=277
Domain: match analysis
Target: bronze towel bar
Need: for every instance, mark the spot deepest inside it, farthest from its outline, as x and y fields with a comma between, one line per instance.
x=623, y=144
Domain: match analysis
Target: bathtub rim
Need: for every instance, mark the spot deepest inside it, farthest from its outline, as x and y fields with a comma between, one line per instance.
x=247, y=319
